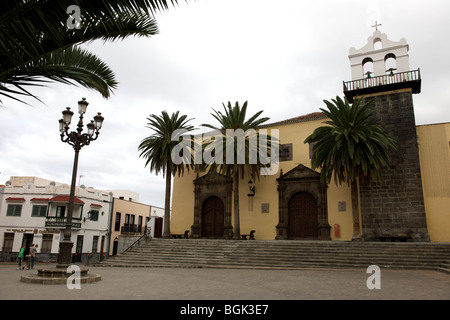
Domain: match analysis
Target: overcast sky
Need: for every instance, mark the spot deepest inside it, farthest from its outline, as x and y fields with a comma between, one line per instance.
x=283, y=57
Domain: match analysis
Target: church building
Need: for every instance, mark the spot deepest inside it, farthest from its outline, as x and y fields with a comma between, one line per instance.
x=411, y=204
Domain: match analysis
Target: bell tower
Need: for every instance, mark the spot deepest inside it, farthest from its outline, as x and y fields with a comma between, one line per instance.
x=394, y=208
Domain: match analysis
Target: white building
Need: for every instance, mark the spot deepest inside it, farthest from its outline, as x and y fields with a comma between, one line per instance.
x=156, y=222
x=34, y=210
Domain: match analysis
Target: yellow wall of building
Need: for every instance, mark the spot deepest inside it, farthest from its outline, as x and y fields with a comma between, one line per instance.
x=182, y=214
x=251, y=216
x=434, y=152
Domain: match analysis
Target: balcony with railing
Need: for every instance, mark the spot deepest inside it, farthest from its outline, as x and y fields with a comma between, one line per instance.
x=131, y=229
x=391, y=81
x=60, y=222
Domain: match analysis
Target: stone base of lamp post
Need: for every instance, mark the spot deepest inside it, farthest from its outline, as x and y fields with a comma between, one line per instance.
x=61, y=273
x=65, y=254
x=60, y=276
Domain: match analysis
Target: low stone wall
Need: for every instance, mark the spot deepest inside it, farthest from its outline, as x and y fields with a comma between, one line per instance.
x=86, y=258
x=126, y=241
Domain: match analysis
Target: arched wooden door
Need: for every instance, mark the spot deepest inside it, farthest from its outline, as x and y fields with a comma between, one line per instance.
x=212, y=218
x=302, y=216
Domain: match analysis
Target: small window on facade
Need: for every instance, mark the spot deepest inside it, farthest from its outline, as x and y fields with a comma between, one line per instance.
x=8, y=240
x=117, y=224
x=95, y=244
x=47, y=240
x=140, y=224
x=39, y=211
x=94, y=215
x=14, y=210
x=286, y=152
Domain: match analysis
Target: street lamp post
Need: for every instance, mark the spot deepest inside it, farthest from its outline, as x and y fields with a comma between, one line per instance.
x=77, y=140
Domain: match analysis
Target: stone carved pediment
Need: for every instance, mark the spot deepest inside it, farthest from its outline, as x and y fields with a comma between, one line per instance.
x=215, y=178
x=300, y=172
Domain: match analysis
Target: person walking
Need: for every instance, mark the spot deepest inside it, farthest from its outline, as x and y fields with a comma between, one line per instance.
x=20, y=257
x=27, y=256
x=33, y=251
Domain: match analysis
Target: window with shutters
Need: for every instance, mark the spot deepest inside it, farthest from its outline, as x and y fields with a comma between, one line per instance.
x=47, y=240
x=14, y=210
x=39, y=211
x=8, y=240
x=286, y=152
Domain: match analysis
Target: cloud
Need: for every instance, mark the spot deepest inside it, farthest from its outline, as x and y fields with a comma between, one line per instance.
x=283, y=58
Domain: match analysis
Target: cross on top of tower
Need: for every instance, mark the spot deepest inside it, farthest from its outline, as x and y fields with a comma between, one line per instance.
x=376, y=25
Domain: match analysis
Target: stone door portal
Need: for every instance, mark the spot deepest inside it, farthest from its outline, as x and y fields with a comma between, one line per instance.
x=302, y=205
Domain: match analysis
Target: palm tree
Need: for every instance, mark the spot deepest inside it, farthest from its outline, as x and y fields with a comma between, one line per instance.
x=157, y=151
x=234, y=119
x=351, y=148
x=39, y=45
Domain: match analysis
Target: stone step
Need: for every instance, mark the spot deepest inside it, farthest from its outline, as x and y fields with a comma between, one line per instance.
x=282, y=250
x=278, y=255
x=282, y=254
x=281, y=257
x=314, y=264
x=266, y=247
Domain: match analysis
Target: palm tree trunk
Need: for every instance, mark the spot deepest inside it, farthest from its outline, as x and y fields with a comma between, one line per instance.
x=357, y=236
x=166, y=232
x=237, y=227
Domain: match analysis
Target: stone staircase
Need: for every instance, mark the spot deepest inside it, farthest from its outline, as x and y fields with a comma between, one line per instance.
x=202, y=253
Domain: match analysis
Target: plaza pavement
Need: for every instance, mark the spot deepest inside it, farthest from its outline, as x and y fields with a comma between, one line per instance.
x=232, y=284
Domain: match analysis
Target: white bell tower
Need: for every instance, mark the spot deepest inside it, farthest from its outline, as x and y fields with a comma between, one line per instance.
x=378, y=51
x=381, y=65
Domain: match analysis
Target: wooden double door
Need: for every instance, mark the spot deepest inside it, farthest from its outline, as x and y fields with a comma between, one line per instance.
x=302, y=216
x=212, y=218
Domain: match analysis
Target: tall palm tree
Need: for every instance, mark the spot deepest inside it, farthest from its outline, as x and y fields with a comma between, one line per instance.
x=234, y=119
x=157, y=151
x=39, y=38
x=351, y=148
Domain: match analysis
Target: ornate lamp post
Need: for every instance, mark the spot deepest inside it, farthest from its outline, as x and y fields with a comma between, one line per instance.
x=77, y=140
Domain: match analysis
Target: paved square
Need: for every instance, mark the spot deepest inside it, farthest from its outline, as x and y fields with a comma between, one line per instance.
x=232, y=284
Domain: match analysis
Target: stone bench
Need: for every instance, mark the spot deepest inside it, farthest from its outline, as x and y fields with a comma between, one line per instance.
x=181, y=236
x=393, y=238
x=250, y=236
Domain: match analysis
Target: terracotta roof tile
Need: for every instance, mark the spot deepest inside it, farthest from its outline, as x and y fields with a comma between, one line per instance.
x=65, y=199
x=306, y=117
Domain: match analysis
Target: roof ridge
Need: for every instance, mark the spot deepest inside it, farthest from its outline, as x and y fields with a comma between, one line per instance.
x=307, y=117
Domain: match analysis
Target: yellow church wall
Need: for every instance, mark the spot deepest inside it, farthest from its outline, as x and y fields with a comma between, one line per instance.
x=182, y=214
x=336, y=194
x=250, y=208
x=434, y=153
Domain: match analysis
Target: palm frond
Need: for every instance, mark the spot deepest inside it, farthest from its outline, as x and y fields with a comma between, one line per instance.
x=31, y=30
x=157, y=148
x=350, y=147
x=69, y=66
x=238, y=149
